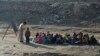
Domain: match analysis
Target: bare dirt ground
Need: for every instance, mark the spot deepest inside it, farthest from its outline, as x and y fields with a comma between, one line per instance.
x=11, y=47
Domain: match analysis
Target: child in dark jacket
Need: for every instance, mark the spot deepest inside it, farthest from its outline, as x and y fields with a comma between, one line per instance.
x=27, y=35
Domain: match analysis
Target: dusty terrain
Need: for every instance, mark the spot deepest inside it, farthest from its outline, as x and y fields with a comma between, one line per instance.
x=11, y=47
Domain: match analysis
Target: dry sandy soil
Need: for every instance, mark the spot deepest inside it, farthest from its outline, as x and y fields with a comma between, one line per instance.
x=11, y=47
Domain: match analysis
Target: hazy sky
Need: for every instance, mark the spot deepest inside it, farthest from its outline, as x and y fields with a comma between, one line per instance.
x=23, y=0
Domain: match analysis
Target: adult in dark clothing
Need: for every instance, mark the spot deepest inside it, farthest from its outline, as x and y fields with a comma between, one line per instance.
x=75, y=39
x=70, y=40
x=93, y=40
x=54, y=38
x=49, y=37
x=44, y=37
x=58, y=39
x=37, y=34
x=80, y=36
x=85, y=39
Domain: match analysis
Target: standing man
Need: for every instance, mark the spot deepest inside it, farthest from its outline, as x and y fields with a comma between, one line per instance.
x=21, y=31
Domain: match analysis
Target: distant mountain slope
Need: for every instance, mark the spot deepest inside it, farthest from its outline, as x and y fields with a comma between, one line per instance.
x=59, y=12
x=53, y=0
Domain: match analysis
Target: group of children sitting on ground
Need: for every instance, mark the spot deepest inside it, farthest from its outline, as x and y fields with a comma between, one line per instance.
x=48, y=38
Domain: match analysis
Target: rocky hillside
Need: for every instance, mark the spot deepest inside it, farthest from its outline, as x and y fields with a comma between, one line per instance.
x=58, y=12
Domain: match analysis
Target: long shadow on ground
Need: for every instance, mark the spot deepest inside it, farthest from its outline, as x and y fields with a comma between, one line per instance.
x=38, y=45
x=45, y=54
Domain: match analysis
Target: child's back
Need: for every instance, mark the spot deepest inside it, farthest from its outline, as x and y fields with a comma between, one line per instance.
x=27, y=35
